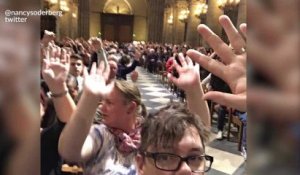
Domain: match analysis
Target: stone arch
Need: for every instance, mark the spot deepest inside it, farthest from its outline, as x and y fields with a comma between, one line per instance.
x=118, y=7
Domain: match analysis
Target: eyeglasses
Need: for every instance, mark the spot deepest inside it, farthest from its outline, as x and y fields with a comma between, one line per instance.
x=172, y=162
x=76, y=64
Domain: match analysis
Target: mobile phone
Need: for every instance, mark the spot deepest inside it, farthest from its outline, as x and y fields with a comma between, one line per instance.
x=102, y=56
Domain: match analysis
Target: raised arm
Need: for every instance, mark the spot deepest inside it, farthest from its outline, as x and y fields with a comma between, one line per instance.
x=189, y=81
x=74, y=143
x=55, y=72
x=129, y=69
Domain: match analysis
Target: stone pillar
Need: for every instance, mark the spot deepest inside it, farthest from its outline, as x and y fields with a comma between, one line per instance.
x=193, y=22
x=75, y=22
x=155, y=20
x=242, y=14
x=179, y=26
x=212, y=20
x=65, y=25
x=165, y=26
x=170, y=28
x=167, y=36
x=176, y=34
x=84, y=19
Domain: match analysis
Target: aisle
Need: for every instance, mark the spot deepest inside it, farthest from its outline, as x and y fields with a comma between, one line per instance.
x=227, y=160
x=154, y=94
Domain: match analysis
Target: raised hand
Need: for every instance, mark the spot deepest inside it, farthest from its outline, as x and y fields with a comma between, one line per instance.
x=96, y=44
x=189, y=76
x=189, y=81
x=95, y=82
x=55, y=72
x=232, y=69
x=48, y=36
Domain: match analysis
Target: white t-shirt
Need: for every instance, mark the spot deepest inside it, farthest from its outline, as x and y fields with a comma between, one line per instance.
x=106, y=159
x=80, y=83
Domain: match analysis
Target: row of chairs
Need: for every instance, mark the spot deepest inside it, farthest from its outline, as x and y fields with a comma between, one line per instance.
x=235, y=126
x=235, y=120
x=162, y=77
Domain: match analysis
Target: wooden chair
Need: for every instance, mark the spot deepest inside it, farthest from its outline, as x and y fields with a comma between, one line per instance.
x=71, y=169
x=234, y=119
x=162, y=73
x=211, y=105
x=164, y=78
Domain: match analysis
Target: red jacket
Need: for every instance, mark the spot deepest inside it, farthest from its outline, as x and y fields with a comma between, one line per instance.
x=169, y=64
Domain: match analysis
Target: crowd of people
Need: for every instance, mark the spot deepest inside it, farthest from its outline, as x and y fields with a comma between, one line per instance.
x=93, y=117
x=169, y=141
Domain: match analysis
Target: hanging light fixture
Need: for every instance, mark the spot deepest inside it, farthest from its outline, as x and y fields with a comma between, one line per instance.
x=170, y=19
x=64, y=6
x=201, y=9
x=183, y=15
x=227, y=3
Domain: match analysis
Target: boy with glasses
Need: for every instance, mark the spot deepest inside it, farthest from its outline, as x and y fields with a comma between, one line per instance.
x=173, y=142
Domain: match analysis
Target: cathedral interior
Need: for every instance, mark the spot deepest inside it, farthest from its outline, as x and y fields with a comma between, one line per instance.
x=161, y=21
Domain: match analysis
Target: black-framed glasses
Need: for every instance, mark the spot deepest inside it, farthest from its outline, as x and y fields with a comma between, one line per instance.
x=172, y=162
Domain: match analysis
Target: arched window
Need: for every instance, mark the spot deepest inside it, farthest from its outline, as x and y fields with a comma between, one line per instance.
x=118, y=7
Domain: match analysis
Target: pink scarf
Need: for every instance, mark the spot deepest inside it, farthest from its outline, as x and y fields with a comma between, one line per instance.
x=127, y=142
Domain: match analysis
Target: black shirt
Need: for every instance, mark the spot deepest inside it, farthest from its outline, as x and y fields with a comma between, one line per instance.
x=50, y=158
x=218, y=84
x=124, y=70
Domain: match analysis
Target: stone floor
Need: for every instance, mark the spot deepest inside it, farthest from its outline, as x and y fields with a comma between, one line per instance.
x=227, y=158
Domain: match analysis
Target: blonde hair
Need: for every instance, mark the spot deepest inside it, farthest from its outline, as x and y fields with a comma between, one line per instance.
x=112, y=58
x=130, y=92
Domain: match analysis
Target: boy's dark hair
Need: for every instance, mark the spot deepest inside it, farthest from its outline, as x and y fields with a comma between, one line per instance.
x=167, y=126
x=124, y=60
x=76, y=56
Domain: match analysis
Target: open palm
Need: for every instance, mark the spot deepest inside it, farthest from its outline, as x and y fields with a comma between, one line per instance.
x=188, y=74
x=55, y=72
x=95, y=81
x=232, y=69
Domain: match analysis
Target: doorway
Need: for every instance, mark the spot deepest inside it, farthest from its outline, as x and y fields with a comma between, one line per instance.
x=117, y=27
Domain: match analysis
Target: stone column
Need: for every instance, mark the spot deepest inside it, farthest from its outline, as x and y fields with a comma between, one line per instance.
x=167, y=37
x=84, y=19
x=176, y=35
x=170, y=28
x=193, y=22
x=179, y=26
x=75, y=22
x=155, y=20
x=165, y=26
